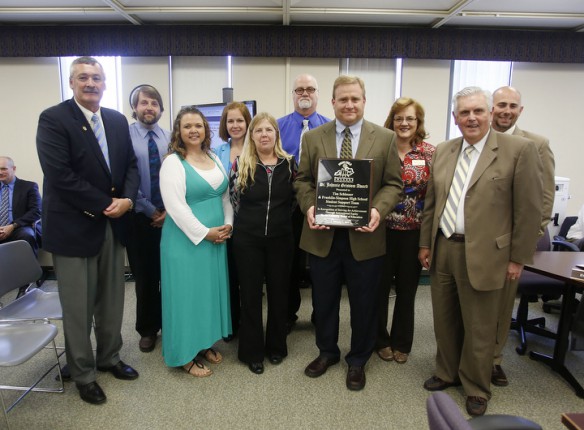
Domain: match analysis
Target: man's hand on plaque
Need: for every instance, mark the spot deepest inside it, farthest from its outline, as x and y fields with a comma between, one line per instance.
x=310, y=220
x=373, y=222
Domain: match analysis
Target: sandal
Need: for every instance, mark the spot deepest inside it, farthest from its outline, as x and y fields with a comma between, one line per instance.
x=212, y=356
x=197, y=369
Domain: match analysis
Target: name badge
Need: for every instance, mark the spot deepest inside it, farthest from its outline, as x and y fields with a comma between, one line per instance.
x=418, y=162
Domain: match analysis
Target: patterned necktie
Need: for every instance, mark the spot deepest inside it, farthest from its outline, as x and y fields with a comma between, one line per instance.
x=346, y=147
x=448, y=220
x=304, y=130
x=154, y=161
x=4, y=205
x=100, y=136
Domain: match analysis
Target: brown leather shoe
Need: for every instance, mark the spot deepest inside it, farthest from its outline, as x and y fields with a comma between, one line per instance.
x=400, y=357
x=356, y=378
x=434, y=383
x=498, y=376
x=476, y=406
x=386, y=354
x=319, y=366
x=147, y=343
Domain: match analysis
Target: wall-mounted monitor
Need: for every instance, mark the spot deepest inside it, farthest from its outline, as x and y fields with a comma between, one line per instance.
x=213, y=111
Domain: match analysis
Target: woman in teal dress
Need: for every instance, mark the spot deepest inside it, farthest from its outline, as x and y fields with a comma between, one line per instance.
x=194, y=279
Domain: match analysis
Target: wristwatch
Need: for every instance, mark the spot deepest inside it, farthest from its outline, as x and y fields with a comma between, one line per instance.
x=131, y=203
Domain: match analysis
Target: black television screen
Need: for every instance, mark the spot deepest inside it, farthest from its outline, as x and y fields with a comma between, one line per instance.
x=213, y=111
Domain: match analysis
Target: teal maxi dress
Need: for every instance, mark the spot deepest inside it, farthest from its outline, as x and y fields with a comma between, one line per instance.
x=194, y=279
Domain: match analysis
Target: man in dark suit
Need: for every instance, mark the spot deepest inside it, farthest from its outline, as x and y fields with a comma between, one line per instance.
x=480, y=223
x=507, y=109
x=91, y=180
x=355, y=254
x=23, y=206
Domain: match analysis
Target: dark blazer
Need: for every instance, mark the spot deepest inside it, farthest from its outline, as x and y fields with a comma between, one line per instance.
x=78, y=185
x=26, y=203
x=376, y=143
x=502, y=207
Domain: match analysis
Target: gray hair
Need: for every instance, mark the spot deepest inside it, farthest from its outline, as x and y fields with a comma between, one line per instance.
x=470, y=91
x=85, y=60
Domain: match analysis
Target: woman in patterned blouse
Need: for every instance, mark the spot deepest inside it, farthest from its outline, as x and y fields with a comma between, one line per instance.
x=402, y=267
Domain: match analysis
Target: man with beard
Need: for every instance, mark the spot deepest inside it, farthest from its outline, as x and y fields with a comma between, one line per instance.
x=292, y=127
x=150, y=144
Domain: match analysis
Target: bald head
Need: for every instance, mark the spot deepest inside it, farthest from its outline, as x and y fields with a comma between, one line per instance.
x=305, y=103
x=507, y=108
x=7, y=170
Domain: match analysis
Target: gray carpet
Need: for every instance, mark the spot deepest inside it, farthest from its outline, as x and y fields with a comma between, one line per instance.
x=283, y=397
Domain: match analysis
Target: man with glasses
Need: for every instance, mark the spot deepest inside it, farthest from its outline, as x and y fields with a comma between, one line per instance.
x=292, y=127
x=507, y=109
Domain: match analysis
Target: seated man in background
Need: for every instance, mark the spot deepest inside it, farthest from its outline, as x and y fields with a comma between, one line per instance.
x=20, y=206
x=576, y=232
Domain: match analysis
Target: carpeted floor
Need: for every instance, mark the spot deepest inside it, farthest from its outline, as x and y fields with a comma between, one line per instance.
x=283, y=397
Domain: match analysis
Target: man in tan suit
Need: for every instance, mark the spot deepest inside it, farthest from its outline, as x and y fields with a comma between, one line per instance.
x=507, y=109
x=355, y=254
x=474, y=248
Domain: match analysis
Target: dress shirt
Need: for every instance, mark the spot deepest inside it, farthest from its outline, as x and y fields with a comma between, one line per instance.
x=173, y=189
x=355, y=132
x=139, y=136
x=473, y=163
x=291, y=128
x=10, y=194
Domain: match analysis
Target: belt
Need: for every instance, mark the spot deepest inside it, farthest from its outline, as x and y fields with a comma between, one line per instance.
x=454, y=237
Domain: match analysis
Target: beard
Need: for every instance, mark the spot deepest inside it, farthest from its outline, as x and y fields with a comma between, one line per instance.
x=305, y=104
x=150, y=120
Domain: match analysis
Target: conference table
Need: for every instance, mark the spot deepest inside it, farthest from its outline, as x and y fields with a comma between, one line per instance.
x=558, y=265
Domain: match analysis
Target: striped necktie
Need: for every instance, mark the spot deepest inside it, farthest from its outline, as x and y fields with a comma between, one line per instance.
x=154, y=162
x=4, y=205
x=346, y=147
x=304, y=130
x=448, y=219
x=100, y=136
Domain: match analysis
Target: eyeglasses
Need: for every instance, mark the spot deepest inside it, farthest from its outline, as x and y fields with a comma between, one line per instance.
x=309, y=90
x=408, y=119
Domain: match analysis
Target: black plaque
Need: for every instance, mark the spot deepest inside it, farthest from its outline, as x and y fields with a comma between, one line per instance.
x=343, y=192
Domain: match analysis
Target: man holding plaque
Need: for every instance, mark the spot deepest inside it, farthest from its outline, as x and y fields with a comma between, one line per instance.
x=354, y=253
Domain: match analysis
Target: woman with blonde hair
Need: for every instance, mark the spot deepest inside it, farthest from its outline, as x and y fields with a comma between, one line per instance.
x=263, y=199
x=194, y=282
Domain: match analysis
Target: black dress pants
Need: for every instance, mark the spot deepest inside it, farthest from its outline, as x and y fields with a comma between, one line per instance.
x=258, y=259
x=362, y=279
x=401, y=265
x=144, y=256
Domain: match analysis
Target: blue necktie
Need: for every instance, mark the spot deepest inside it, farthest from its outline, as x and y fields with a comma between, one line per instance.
x=4, y=206
x=100, y=136
x=154, y=161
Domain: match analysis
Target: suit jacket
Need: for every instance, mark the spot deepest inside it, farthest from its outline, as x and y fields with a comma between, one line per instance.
x=78, y=185
x=502, y=208
x=548, y=175
x=26, y=203
x=375, y=143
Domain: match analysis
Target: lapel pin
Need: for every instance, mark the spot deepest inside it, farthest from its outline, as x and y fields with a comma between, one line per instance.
x=84, y=128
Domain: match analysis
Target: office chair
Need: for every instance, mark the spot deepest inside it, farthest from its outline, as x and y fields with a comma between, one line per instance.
x=531, y=286
x=20, y=342
x=443, y=414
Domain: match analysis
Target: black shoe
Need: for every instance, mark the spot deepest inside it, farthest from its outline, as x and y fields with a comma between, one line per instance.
x=91, y=393
x=356, y=378
x=147, y=343
x=120, y=371
x=257, y=368
x=275, y=358
x=434, y=383
x=65, y=374
x=319, y=366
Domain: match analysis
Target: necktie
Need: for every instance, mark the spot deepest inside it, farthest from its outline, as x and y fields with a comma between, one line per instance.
x=448, y=221
x=4, y=206
x=304, y=130
x=100, y=136
x=154, y=161
x=346, y=148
